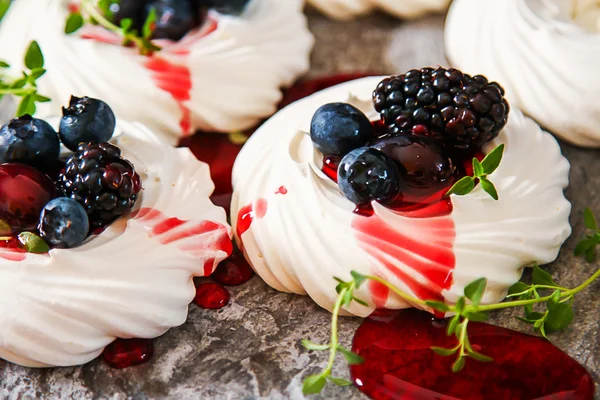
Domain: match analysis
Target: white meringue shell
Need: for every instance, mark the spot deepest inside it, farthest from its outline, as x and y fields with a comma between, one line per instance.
x=235, y=72
x=134, y=280
x=547, y=63
x=349, y=9
x=302, y=239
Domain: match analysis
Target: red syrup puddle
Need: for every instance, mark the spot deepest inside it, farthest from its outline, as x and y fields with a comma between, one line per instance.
x=211, y=296
x=176, y=80
x=123, y=353
x=281, y=190
x=399, y=363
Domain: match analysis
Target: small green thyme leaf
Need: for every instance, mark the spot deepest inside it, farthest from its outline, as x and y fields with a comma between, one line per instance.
x=4, y=64
x=26, y=106
x=554, y=300
x=460, y=305
x=443, y=351
x=452, y=325
x=33, y=243
x=559, y=317
x=347, y=299
x=590, y=219
x=361, y=302
x=126, y=24
x=339, y=381
x=491, y=162
x=74, y=23
x=480, y=357
x=517, y=289
x=149, y=24
x=34, y=57
x=4, y=5
x=477, y=168
x=358, y=278
x=438, y=305
x=36, y=73
x=351, y=357
x=459, y=364
x=313, y=384
x=462, y=187
x=474, y=290
x=314, y=346
x=488, y=187
x=475, y=316
x=541, y=277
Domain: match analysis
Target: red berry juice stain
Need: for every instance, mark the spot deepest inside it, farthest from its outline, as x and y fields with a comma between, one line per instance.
x=175, y=79
x=399, y=363
x=417, y=251
x=281, y=190
x=233, y=271
x=195, y=237
x=247, y=214
x=123, y=353
x=211, y=295
x=12, y=249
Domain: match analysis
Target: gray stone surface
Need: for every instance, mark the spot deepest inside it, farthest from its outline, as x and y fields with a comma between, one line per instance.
x=250, y=349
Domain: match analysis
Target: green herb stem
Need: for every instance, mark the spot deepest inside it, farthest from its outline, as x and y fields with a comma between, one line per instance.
x=520, y=303
x=18, y=92
x=334, y=332
x=405, y=296
x=93, y=12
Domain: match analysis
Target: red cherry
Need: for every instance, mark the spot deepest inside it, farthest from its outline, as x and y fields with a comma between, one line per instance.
x=24, y=191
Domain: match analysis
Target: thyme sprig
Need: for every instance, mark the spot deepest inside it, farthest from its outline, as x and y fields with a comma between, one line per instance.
x=481, y=170
x=556, y=315
x=98, y=12
x=25, y=86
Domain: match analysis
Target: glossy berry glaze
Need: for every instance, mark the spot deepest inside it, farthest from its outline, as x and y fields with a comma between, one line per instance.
x=123, y=353
x=399, y=363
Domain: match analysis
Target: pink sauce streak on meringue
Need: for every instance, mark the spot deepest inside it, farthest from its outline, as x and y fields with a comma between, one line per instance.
x=208, y=236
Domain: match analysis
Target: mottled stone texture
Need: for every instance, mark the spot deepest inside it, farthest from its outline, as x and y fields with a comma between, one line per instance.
x=251, y=349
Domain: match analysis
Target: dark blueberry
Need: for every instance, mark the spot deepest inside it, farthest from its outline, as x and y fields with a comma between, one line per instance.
x=64, y=223
x=174, y=18
x=30, y=141
x=338, y=128
x=366, y=174
x=86, y=120
x=132, y=9
x=233, y=7
x=424, y=166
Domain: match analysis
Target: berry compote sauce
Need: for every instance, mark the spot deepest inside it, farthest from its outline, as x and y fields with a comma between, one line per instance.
x=399, y=363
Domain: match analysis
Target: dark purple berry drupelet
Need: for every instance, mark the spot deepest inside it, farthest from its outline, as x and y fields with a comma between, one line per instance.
x=461, y=111
x=104, y=183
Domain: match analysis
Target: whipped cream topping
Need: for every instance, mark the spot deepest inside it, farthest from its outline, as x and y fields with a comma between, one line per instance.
x=134, y=280
x=348, y=9
x=224, y=77
x=299, y=232
x=547, y=62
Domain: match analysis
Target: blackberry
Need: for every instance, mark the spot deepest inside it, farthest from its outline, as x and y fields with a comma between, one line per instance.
x=463, y=112
x=99, y=179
